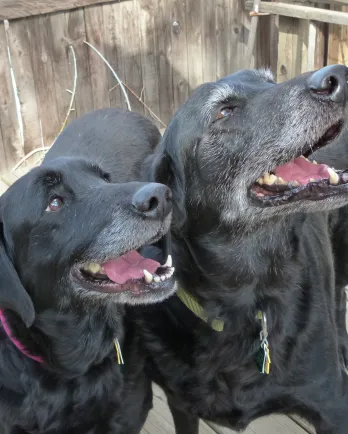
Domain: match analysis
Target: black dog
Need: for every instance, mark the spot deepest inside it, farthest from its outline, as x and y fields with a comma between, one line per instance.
x=68, y=267
x=257, y=250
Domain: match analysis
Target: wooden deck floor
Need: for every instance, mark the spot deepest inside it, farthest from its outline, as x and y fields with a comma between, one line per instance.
x=160, y=422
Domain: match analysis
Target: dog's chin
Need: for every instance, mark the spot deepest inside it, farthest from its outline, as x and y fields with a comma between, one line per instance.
x=138, y=276
x=301, y=184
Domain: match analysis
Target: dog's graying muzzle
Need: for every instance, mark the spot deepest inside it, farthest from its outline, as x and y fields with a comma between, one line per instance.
x=330, y=83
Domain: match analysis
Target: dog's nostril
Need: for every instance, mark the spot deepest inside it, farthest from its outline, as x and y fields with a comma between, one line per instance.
x=153, y=204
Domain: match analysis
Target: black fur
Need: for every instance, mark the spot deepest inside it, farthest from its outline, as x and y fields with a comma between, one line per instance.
x=79, y=388
x=238, y=258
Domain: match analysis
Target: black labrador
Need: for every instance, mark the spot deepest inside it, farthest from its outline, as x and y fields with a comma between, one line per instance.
x=70, y=231
x=260, y=249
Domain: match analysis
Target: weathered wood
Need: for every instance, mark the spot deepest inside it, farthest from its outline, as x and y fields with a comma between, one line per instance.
x=76, y=37
x=40, y=52
x=338, y=42
x=62, y=64
x=94, y=19
x=164, y=50
x=238, y=33
x=20, y=39
x=179, y=52
x=303, y=12
x=11, y=146
x=194, y=43
x=132, y=53
x=253, y=31
x=113, y=42
x=10, y=9
x=223, y=37
x=208, y=40
x=149, y=57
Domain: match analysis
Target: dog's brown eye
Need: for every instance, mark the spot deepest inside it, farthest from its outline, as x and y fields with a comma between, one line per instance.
x=55, y=204
x=224, y=112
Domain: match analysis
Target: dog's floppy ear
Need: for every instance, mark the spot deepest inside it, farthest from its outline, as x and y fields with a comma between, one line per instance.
x=13, y=295
x=167, y=168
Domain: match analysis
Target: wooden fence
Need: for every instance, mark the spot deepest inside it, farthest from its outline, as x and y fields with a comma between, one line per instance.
x=160, y=49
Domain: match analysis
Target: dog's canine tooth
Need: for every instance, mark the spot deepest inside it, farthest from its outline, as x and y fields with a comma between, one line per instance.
x=314, y=162
x=260, y=181
x=334, y=178
x=169, y=262
x=163, y=277
x=92, y=267
x=156, y=278
x=171, y=271
x=148, y=276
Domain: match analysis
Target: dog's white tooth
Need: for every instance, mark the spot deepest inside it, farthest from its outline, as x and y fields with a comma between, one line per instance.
x=280, y=180
x=93, y=267
x=334, y=178
x=156, y=278
x=314, y=162
x=163, y=277
x=312, y=180
x=171, y=271
x=260, y=181
x=148, y=276
x=269, y=179
x=295, y=183
x=169, y=262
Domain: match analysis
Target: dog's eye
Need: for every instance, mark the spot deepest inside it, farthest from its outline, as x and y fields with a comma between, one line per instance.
x=55, y=204
x=224, y=112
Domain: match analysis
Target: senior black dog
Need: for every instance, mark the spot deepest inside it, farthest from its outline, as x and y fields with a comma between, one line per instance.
x=260, y=255
x=69, y=263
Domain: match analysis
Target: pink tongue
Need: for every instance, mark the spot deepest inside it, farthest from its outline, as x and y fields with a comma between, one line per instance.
x=302, y=171
x=129, y=266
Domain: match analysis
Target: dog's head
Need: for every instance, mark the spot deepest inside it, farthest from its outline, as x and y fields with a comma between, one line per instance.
x=67, y=233
x=239, y=148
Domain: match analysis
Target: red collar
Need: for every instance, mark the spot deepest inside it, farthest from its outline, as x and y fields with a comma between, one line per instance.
x=15, y=341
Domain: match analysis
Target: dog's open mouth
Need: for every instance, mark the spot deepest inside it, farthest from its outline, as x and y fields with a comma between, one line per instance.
x=129, y=272
x=300, y=178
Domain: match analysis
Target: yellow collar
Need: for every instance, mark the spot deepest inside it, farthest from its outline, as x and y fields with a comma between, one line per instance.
x=191, y=303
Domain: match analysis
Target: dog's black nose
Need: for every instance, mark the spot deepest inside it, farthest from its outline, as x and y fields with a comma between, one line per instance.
x=330, y=83
x=153, y=201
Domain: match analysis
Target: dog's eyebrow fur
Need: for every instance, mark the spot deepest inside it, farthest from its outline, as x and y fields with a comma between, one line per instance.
x=221, y=92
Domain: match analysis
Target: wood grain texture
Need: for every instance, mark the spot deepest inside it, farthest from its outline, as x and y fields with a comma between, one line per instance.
x=41, y=59
x=223, y=38
x=338, y=41
x=113, y=43
x=149, y=55
x=10, y=9
x=194, y=43
x=209, y=40
x=179, y=52
x=164, y=53
x=20, y=40
x=11, y=147
x=99, y=72
x=131, y=52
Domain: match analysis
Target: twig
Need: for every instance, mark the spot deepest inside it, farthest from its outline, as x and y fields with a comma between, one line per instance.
x=73, y=92
x=34, y=151
x=113, y=72
x=147, y=107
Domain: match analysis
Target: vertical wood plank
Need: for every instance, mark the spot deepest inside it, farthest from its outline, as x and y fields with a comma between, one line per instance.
x=113, y=17
x=209, y=40
x=288, y=44
x=19, y=39
x=194, y=43
x=41, y=54
x=62, y=63
x=76, y=36
x=131, y=53
x=94, y=19
x=147, y=11
x=11, y=147
x=179, y=52
x=338, y=41
x=240, y=26
x=223, y=30
x=164, y=50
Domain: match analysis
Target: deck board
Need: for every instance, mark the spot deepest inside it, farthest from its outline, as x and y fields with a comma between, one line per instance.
x=160, y=422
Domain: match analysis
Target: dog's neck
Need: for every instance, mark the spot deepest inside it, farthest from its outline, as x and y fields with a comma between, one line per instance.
x=235, y=274
x=65, y=342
